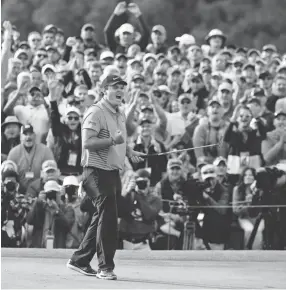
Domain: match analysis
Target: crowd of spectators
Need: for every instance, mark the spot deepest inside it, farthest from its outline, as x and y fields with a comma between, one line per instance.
x=181, y=96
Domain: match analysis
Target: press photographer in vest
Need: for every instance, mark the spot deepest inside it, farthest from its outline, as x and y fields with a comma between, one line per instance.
x=104, y=150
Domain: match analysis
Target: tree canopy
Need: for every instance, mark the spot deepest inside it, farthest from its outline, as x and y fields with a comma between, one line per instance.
x=250, y=23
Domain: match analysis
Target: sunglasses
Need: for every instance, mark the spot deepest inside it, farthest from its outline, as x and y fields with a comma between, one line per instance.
x=75, y=103
x=70, y=118
x=237, y=65
x=195, y=81
x=36, y=40
x=175, y=168
x=185, y=102
x=41, y=55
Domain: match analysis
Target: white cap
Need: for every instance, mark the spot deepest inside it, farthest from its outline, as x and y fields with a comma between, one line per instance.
x=126, y=27
x=19, y=52
x=281, y=166
x=70, y=180
x=73, y=109
x=51, y=185
x=208, y=171
x=164, y=88
x=215, y=32
x=187, y=39
x=92, y=93
x=149, y=55
x=225, y=86
x=48, y=66
x=106, y=54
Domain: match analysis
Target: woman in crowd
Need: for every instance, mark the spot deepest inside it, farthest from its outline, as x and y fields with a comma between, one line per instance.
x=241, y=204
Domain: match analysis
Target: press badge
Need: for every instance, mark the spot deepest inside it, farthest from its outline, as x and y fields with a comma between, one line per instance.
x=244, y=158
x=72, y=158
x=29, y=175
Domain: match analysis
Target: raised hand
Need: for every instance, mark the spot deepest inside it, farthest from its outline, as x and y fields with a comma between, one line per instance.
x=8, y=30
x=134, y=9
x=54, y=89
x=118, y=138
x=120, y=8
x=71, y=41
x=24, y=85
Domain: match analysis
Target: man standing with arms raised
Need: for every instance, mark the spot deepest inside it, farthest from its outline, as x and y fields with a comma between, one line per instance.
x=104, y=150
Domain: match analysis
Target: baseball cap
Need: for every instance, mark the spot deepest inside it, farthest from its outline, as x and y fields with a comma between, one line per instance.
x=52, y=48
x=248, y=65
x=164, y=88
x=281, y=67
x=24, y=43
x=27, y=129
x=159, y=28
x=264, y=75
x=196, y=76
x=208, y=171
x=215, y=33
x=253, y=100
x=225, y=86
x=186, y=39
x=50, y=28
x=133, y=61
x=48, y=67
x=203, y=160
x=238, y=59
x=147, y=56
x=142, y=173
x=184, y=97
x=119, y=55
x=48, y=165
x=72, y=109
x=160, y=70
x=88, y=26
x=218, y=160
x=174, y=162
x=175, y=69
x=174, y=47
x=19, y=52
x=106, y=54
x=11, y=120
x=271, y=47
x=32, y=89
x=214, y=101
x=51, y=185
x=126, y=27
x=279, y=112
x=241, y=49
x=253, y=50
x=138, y=77
x=260, y=60
x=257, y=92
x=112, y=80
x=70, y=180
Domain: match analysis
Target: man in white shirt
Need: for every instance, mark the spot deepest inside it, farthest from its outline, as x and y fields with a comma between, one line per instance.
x=34, y=113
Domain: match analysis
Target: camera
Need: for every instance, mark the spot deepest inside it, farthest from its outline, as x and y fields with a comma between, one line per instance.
x=142, y=184
x=51, y=195
x=10, y=185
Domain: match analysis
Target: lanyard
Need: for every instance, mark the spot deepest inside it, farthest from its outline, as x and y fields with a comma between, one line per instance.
x=30, y=162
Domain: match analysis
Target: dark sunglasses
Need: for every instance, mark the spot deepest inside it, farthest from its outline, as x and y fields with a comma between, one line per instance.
x=41, y=55
x=175, y=168
x=237, y=64
x=185, y=102
x=195, y=81
x=157, y=94
x=75, y=103
x=70, y=118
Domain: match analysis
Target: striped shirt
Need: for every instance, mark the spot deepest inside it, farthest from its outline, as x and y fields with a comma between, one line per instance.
x=104, y=121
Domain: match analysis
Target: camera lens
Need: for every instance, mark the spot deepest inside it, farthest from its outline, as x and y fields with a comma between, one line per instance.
x=10, y=186
x=142, y=184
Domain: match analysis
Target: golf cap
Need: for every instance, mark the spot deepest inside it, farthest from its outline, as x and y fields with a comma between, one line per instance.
x=70, y=180
x=27, y=129
x=208, y=171
x=106, y=54
x=186, y=39
x=88, y=26
x=271, y=47
x=72, y=109
x=51, y=185
x=148, y=56
x=138, y=77
x=214, y=101
x=126, y=27
x=184, y=97
x=48, y=165
x=159, y=28
x=225, y=86
x=164, y=88
x=112, y=80
x=218, y=160
x=279, y=113
x=174, y=162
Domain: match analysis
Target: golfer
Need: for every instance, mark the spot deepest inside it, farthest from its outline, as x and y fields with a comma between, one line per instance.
x=104, y=150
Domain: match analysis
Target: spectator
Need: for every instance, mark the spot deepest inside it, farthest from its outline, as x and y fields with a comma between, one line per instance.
x=49, y=172
x=274, y=146
x=224, y=96
x=29, y=156
x=242, y=200
x=34, y=40
x=155, y=165
x=48, y=217
x=14, y=209
x=78, y=219
x=216, y=41
x=244, y=142
x=66, y=143
x=89, y=38
x=125, y=32
x=278, y=92
x=211, y=132
x=10, y=136
x=158, y=38
x=144, y=207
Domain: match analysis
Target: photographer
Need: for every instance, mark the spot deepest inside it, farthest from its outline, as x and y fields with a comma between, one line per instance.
x=270, y=189
x=215, y=229
x=144, y=206
x=14, y=209
x=77, y=219
x=48, y=218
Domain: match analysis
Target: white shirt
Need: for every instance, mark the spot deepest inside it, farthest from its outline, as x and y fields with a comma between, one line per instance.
x=36, y=116
x=176, y=124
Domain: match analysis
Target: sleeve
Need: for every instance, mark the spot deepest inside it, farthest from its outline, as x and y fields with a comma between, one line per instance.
x=57, y=126
x=145, y=34
x=199, y=140
x=92, y=122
